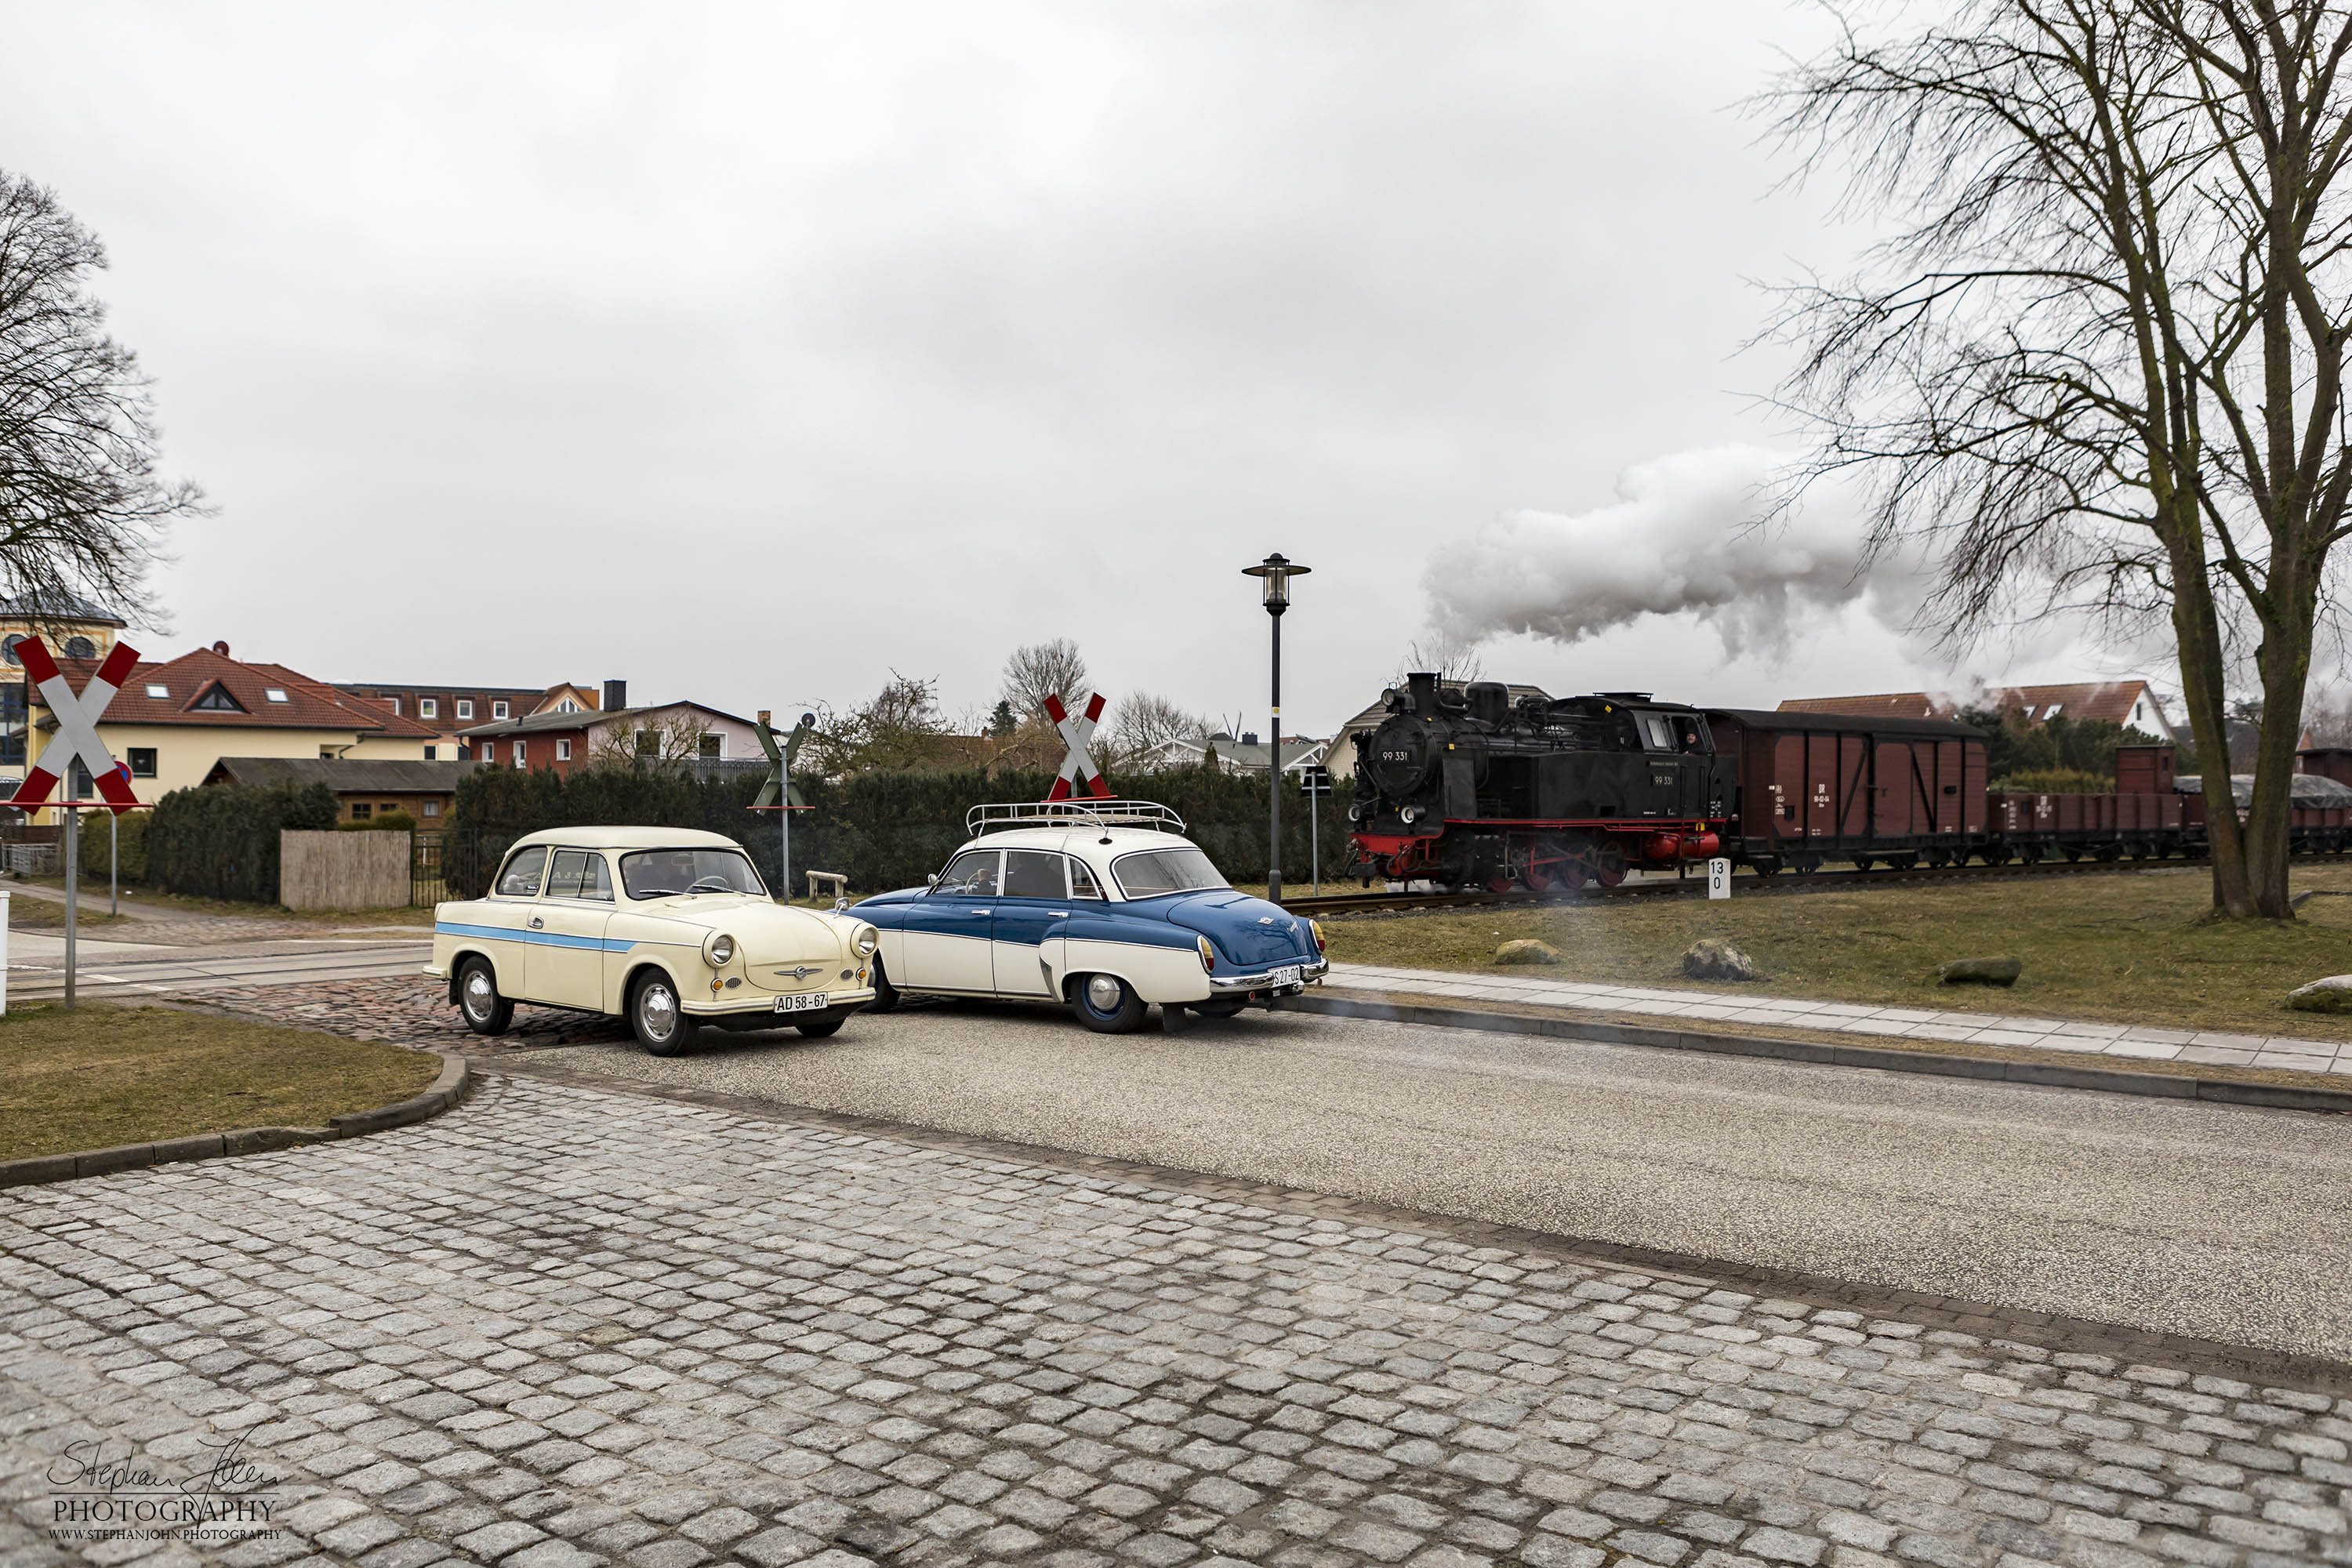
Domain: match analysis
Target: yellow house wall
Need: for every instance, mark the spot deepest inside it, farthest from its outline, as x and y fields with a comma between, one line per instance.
x=185, y=754
x=377, y=749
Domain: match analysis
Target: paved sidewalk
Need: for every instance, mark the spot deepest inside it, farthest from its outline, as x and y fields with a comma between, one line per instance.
x=560, y=1326
x=1849, y=1018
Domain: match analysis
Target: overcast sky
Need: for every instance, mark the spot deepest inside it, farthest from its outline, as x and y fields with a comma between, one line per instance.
x=749, y=353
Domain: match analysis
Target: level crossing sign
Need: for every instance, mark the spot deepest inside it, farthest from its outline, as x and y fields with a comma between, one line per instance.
x=77, y=718
x=1079, y=772
x=779, y=792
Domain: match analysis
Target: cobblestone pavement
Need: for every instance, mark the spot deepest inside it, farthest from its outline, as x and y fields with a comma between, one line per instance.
x=2140, y=1041
x=409, y=1010
x=558, y=1326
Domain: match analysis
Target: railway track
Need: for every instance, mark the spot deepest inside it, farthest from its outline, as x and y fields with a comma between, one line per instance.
x=1744, y=885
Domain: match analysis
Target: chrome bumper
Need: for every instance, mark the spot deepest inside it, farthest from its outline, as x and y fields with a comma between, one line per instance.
x=1261, y=981
x=763, y=1003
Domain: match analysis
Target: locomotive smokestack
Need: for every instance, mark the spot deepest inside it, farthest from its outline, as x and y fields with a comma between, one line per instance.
x=1421, y=693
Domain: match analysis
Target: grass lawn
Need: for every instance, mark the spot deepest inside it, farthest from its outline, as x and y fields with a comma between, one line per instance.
x=149, y=897
x=2124, y=947
x=28, y=913
x=103, y=1076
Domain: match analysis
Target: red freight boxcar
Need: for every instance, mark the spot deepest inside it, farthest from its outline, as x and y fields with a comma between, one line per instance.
x=1816, y=787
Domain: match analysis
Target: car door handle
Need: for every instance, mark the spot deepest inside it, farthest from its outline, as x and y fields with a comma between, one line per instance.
x=538, y=924
x=984, y=911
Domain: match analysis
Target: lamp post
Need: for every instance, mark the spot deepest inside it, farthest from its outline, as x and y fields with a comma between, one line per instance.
x=1275, y=574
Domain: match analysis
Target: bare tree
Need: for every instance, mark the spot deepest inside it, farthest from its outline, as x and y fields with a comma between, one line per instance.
x=1453, y=657
x=1042, y=670
x=1145, y=721
x=666, y=737
x=2100, y=365
x=82, y=512
x=899, y=727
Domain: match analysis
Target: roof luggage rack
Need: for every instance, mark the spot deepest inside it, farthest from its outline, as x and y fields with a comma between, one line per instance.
x=1148, y=813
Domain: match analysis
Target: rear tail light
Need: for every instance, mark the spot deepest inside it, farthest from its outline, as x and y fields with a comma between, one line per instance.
x=1320, y=944
x=1208, y=957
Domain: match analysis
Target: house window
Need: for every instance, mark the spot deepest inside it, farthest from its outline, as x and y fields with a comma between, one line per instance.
x=80, y=647
x=8, y=647
x=77, y=782
x=432, y=808
x=713, y=748
x=567, y=706
x=362, y=811
x=157, y=688
x=274, y=693
x=497, y=710
x=217, y=699
x=650, y=743
x=395, y=703
x=326, y=753
x=143, y=762
x=562, y=750
x=427, y=707
x=2051, y=711
x=388, y=807
x=465, y=708
x=431, y=753
x=520, y=753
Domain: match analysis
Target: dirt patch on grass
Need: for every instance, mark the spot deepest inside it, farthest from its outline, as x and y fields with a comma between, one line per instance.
x=2128, y=947
x=102, y=1076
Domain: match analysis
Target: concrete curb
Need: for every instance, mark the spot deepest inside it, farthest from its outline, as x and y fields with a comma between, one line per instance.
x=456, y=1079
x=2053, y=1075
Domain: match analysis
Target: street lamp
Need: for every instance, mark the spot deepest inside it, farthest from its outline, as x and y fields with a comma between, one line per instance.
x=1275, y=574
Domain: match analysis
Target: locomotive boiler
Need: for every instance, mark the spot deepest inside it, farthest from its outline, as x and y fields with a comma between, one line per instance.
x=1469, y=787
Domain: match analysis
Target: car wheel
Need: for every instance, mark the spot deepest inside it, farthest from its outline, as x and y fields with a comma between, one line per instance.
x=1106, y=1004
x=885, y=995
x=662, y=1026
x=487, y=1012
x=821, y=1030
x=1220, y=1006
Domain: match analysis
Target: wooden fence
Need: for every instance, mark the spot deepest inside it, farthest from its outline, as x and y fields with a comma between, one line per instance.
x=343, y=870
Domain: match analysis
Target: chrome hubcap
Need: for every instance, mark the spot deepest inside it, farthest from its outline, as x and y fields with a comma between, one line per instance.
x=1103, y=993
x=478, y=993
x=660, y=1010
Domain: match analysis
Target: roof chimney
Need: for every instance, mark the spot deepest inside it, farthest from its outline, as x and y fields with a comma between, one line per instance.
x=617, y=696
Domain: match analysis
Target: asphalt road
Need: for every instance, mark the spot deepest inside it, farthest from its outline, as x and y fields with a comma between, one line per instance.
x=2220, y=1222
x=128, y=969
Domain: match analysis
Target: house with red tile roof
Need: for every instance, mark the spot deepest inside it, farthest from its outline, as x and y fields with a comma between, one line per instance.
x=2131, y=703
x=171, y=720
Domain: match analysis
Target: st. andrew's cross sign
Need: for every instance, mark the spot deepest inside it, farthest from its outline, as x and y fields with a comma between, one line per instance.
x=1078, y=771
x=779, y=790
x=77, y=718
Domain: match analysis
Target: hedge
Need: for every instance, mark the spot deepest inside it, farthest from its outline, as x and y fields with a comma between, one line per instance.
x=130, y=833
x=881, y=830
x=220, y=841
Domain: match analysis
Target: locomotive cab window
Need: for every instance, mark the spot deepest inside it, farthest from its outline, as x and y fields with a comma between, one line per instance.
x=1656, y=733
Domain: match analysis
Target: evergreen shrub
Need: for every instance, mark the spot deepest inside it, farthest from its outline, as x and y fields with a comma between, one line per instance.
x=220, y=841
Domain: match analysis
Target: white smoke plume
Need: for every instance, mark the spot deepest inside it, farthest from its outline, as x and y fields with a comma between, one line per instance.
x=1686, y=536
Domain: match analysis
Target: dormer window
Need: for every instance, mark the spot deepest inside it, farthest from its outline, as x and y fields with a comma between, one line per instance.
x=275, y=693
x=157, y=688
x=465, y=708
x=427, y=707
x=216, y=699
x=497, y=710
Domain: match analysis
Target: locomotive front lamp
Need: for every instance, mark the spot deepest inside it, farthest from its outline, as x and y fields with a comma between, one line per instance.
x=1274, y=574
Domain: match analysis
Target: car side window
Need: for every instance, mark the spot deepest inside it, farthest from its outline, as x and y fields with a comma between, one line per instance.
x=579, y=874
x=970, y=875
x=1082, y=881
x=520, y=878
x=1033, y=874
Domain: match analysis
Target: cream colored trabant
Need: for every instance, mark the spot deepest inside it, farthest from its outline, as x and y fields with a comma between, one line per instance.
x=668, y=928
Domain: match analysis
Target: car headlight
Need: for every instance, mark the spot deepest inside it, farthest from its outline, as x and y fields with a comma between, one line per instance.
x=865, y=941
x=1208, y=957
x=719, y=950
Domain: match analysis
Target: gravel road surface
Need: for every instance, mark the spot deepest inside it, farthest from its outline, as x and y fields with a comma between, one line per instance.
x=2220, y=1222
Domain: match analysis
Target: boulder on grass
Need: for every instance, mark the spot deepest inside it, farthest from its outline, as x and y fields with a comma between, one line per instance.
x=2332, y=994
x=1527, y=951
x=1982, y=971
x=1710, y=958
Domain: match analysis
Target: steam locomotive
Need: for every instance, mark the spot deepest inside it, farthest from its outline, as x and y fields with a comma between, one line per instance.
x=1472, y=786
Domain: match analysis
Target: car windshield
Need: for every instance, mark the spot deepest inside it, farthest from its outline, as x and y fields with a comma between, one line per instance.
x=659, y=873
x=1156, y=873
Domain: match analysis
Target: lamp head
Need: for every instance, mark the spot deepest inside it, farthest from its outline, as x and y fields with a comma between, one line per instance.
x=1275, y=574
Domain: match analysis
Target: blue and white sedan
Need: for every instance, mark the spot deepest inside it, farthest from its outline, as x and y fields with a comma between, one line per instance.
x=1103, y=906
